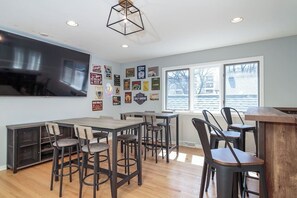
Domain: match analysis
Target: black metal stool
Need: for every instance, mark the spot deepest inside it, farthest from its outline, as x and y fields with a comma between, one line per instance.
x=126, y=140
x=151, y=126
x=60, y=144
x=85, y=134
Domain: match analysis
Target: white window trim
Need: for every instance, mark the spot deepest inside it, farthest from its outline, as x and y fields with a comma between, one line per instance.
x=221, y=63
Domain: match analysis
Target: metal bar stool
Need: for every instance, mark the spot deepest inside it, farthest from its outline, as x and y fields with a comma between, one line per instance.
x=85, y=134
x=151, y=128
x=228, y=162
x=232, y=136
x=59, y=145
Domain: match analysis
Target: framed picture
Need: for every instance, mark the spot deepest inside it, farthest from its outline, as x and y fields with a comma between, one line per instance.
x=128, y=97
x=127, y=84
x=95, y=79
x=153, y=71
x=141, y=72
x=154, y=96
x=108, y=72
x=116, y=100
x=97, y=105
x=99, y=92
x=117, y=90
x=145, y=85
x=130, y=72
x=155, y=83
x=117, y=80
x=136, y=85
x=97, y=68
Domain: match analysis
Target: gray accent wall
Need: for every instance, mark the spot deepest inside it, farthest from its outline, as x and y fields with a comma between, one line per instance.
x=280, y=67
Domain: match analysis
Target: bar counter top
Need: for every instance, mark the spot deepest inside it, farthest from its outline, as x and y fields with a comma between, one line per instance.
x=272, y=114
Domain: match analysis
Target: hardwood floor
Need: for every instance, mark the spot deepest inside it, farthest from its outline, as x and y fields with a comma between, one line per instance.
x=178, y=179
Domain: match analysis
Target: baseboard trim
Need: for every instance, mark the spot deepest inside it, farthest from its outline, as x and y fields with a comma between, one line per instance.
x=2, y=168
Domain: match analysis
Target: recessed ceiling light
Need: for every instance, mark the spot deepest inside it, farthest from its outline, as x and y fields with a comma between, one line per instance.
x=125, y=46
x=236, y=20
x=43, y=34
x=72, y=23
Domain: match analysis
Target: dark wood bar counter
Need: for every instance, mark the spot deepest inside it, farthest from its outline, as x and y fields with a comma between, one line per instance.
x=277, y=140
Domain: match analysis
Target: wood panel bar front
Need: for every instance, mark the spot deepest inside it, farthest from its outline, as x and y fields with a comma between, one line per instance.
x=277, y=140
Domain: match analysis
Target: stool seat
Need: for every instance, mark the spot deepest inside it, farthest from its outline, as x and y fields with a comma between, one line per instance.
x=100, y=134
x=65, y=142
x=224, y=156
x=127, y=137
x=241, y=126
x=228, y=134
x=95, y=147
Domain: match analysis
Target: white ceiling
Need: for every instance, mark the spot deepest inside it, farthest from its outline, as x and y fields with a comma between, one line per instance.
x=171, y=26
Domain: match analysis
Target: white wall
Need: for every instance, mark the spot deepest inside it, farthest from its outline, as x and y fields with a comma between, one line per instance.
x=17, y=110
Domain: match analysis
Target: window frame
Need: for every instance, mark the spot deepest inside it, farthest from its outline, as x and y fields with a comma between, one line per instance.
x=189, y=88
x=222, y=63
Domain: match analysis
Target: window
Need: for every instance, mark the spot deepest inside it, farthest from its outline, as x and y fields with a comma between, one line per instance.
x=234, y=83
x=241, y=85
x=177, y=88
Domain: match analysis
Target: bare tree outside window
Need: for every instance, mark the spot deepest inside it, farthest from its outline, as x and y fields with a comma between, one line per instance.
x=177, y=82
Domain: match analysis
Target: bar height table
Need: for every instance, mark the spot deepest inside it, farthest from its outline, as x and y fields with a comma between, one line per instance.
x=166, y=117
x=114, y=127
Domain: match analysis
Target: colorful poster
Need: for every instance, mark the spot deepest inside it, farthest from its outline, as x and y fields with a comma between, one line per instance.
x=97, y=68
x=154, y=96
x=97, y=105
x=145, y=85
x=136, y=85
x=127, y=84
x=116, y=100
x=128, y=97
x=99, y=92
x=140, y=98
x=117, y=80
x=130, y=72
x=152, y=71
x=155, y=83
x=95, y=79
x=141, y=72
x=108, y=72
x=117, y=90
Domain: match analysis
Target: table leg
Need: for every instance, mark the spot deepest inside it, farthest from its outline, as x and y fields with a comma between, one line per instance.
x=167, y=140
x=139, y=165
x=177, y=135
x=114, y=166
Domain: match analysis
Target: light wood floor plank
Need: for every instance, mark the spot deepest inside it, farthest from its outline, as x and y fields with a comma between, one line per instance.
x=178, y=179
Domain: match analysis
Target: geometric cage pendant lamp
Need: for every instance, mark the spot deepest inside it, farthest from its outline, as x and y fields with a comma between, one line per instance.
x=125, y=18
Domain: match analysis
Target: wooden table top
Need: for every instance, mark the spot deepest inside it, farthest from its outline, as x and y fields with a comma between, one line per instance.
x=270, y=114
x=102, y=123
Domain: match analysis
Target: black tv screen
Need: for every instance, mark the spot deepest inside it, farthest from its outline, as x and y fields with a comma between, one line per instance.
x=29, y=67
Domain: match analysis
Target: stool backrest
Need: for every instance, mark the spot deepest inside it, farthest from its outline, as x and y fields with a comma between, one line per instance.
x=83, y=132
x=53, y=130
x=210, y=117
x=149, y=119
x=227, y=114
x=204, y=139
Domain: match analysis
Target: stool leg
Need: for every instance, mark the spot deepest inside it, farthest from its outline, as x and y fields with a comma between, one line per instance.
x=156, y=146
x=95, y=174
x=202, y=183
x=70, y=165
x=53, y=168
x=162, y=144
x=128, y=161
x=61, y=176
x=224, y=183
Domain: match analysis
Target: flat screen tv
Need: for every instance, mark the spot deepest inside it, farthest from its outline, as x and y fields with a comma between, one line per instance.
x=29, y=67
